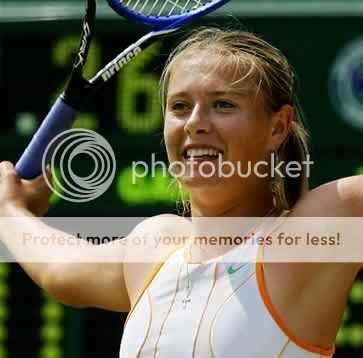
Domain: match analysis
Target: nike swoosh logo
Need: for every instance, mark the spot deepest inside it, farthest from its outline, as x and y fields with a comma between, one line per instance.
x=232, y=270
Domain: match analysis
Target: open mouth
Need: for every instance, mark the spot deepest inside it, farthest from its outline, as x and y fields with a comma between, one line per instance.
x=202, y=154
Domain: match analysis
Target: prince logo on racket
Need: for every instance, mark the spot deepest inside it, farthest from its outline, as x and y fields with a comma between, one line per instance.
x=84, y=42
x=117, y=66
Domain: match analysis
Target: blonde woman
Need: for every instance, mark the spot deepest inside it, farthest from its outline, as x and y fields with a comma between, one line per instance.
x=229, y=95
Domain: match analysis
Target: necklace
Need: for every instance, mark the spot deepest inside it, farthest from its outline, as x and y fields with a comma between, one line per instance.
x=187, y=299
x=189, y=285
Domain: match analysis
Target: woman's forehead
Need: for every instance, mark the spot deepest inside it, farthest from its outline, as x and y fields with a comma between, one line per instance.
x=211, y=70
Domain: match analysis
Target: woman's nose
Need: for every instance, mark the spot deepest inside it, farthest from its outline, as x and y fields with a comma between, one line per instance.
x=198, y=122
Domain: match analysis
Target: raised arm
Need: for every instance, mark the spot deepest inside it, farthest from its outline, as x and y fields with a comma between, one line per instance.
x=76, y=283
x=92, y=275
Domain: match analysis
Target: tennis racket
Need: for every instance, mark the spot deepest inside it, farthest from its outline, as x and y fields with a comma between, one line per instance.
x=164, y=17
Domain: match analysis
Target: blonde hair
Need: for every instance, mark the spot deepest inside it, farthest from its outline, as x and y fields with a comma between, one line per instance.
x=254, y=58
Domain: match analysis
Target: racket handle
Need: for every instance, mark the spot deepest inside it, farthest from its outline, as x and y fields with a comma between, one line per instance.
x=60, y=118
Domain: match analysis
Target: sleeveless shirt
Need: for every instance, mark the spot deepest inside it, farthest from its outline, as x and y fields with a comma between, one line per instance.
x=229, y=315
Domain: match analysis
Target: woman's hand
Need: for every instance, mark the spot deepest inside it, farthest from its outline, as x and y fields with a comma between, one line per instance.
x=32, y=195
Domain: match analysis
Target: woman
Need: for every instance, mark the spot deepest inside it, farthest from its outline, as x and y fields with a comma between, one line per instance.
x=227, y=95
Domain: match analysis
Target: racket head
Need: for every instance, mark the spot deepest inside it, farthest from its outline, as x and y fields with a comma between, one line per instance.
x=165, y=14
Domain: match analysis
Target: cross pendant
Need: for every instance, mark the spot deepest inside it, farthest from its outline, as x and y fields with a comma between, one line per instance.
x=185, y=301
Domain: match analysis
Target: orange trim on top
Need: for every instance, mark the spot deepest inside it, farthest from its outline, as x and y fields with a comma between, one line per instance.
x=276, y=316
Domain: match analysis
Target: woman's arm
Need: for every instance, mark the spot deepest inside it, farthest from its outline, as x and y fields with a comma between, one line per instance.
x=338, y=198
x=79, y=274
x=74, y=274
x=337, y=205
x=76, y=283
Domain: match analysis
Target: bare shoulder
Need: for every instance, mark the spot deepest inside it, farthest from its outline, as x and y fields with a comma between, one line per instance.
x=149, y=245
x=338, y=198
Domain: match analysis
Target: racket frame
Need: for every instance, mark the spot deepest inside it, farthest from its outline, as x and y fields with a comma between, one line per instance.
x=167, y=22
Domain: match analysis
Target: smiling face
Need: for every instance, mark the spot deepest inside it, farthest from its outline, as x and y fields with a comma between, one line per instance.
x=210, y=112
x=232, y=93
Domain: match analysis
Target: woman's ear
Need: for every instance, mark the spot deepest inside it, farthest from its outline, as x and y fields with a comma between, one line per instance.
x=281, y=124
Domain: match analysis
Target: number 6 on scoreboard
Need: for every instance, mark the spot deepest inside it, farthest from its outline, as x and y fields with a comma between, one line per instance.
x=164, y=16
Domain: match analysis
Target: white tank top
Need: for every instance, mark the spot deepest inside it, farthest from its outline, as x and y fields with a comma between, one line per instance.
x=229, y=314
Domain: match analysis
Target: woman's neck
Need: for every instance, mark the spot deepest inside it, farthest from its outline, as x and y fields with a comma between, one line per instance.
x=214, y=236
x=254, y=202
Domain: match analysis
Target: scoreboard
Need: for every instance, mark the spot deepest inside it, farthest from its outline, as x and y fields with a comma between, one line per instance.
x=35, y=64
x=35, y=58
x=127, y=113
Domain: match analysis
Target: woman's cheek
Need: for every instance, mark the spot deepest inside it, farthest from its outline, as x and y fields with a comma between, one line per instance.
x=173, y=139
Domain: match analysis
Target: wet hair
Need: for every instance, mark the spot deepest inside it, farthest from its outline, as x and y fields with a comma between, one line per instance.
x=254, y=59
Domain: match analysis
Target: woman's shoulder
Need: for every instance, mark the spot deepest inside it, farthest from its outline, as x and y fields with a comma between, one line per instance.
x=149, y=245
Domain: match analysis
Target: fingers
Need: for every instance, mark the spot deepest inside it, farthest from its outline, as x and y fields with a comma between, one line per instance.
x=8, y=178
x=48, y=173
x=48, y=179
x=7, y=170
x=44, y=180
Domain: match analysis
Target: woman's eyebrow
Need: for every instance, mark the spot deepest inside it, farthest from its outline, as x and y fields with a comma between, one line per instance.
x=233, y=92
x=178, y=94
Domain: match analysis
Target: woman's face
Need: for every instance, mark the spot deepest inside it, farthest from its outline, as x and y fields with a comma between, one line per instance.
x=206, y=115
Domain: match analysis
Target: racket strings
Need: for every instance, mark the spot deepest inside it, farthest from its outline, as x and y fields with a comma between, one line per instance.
x=162, y=7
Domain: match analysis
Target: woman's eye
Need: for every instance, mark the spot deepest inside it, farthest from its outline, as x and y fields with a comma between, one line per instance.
x=179, y=107
x=224, y=105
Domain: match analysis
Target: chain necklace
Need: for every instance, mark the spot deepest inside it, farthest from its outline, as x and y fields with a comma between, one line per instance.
x=189, y=285
x=187, y=299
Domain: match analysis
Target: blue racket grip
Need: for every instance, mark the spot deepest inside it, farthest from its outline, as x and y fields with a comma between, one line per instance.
x=60, y=118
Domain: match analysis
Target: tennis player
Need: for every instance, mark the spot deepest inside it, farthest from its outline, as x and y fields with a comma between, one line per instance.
x=229, y=95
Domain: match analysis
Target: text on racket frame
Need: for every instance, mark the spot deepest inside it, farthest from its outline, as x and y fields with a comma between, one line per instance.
x=115, y=67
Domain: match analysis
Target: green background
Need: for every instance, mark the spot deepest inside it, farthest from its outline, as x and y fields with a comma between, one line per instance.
x=36, y=50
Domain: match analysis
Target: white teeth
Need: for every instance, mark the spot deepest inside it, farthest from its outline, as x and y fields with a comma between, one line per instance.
x=202, y=152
